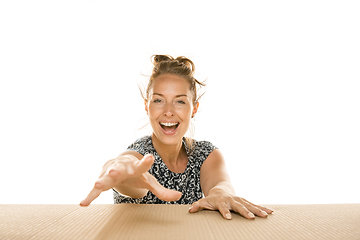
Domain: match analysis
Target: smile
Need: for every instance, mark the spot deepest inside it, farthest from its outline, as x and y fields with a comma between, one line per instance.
x=169, y=128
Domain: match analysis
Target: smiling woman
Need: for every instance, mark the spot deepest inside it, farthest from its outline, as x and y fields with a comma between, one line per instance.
x=180, y=70
x=166, y=167
x=170, y=108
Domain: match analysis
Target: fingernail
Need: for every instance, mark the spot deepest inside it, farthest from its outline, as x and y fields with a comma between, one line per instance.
x=251, y=215
x=269, y=210
x=190, y=208
x=264, y=213
x=228, y=216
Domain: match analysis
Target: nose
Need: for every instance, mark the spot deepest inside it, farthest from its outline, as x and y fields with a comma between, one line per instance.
x=168, y=110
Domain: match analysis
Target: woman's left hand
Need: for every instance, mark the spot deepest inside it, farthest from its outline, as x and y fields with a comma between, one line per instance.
x=225, y=202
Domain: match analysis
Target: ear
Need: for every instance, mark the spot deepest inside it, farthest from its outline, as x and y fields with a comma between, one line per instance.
x=146, y=107
x=196, y=107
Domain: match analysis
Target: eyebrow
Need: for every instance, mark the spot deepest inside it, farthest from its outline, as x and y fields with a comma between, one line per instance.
x=180, y=95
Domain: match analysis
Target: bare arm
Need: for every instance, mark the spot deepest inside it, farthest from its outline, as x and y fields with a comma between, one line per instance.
x=213, y=174
x=219, y=192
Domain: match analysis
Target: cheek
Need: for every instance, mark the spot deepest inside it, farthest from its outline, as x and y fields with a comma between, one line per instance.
x=184, y=113
x=154, y=112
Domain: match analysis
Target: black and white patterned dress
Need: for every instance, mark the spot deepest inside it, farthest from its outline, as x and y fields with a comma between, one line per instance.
x=187, y=182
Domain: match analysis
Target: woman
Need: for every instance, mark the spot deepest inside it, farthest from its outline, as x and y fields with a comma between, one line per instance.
x=167, y=167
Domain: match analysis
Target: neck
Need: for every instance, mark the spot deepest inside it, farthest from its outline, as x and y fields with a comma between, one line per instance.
x=168, y=153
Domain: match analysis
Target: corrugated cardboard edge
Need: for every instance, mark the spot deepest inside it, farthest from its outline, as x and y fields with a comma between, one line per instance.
x=131, y=221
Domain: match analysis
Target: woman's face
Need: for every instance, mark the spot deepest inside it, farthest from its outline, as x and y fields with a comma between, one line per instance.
x=170, y=108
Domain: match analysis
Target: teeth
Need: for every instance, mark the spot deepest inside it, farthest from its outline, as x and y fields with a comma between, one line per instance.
x=168, y=124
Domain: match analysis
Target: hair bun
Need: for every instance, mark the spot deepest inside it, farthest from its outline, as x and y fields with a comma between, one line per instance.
x=161, y=58
x=187, y=62
x=179, y=60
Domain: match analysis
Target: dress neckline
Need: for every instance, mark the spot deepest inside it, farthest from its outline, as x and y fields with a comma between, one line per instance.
x=159, y=159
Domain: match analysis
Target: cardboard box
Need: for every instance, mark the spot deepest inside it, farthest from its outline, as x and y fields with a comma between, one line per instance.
x=127, y=221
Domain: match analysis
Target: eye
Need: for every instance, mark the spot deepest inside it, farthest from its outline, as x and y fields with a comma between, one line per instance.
x=180, y=102
x=157, y=100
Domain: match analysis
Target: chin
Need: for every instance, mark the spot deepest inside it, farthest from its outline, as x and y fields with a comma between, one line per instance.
x=168, y=140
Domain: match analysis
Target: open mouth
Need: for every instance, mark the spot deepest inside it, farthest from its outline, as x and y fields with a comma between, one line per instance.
x=169, y=128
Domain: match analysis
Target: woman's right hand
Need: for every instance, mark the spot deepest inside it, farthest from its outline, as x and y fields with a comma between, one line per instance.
x=129, y=172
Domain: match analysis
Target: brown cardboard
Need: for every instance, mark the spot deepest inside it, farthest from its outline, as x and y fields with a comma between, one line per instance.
x=127, y=221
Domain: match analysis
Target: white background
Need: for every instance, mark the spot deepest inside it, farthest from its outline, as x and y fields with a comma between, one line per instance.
x=282, y=100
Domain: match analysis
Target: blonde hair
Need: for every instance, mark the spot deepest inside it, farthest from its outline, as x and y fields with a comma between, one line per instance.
x=182, y=67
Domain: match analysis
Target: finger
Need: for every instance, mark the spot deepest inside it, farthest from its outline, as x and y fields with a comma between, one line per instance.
x=200, y=205
x=128, y=168
x=133, y=168
x=242, y=210
x=160, y=191
x=94, y=193
x=256, y=211
x=251, y=207
x=145, y=163
x=267, y=210
x=262, y=209
x=102, y=184
x=224, y=209
x=117, y=172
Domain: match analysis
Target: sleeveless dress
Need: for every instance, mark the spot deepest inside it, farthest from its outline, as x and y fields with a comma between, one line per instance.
x=188, y=182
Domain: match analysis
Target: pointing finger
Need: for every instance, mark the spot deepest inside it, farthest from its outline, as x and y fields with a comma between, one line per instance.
x=94, y=193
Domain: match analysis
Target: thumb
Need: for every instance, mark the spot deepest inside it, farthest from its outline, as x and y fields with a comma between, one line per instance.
x=195, y=207
x=152, y=184
x=145, y=163
x=160, y=191
x=200, y=205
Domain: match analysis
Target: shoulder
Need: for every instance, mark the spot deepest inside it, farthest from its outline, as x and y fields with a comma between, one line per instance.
x=142, y=145
x=203, y=146
x=202, y=149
